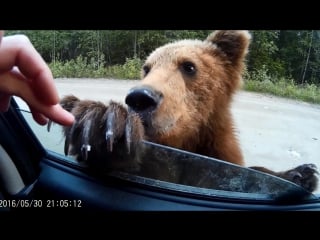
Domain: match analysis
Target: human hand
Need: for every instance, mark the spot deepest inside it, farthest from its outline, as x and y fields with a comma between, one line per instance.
x=24, y=73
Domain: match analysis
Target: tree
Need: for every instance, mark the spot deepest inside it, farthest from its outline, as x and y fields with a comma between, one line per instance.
x=299, y=51
x=264, y=52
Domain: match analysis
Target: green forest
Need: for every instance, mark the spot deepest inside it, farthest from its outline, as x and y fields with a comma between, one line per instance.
x=283, y=62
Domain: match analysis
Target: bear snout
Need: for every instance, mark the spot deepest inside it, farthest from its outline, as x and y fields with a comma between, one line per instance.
x=143, y=99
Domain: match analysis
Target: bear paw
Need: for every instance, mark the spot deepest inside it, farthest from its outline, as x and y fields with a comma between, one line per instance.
x=102, y=133
x=304, y=175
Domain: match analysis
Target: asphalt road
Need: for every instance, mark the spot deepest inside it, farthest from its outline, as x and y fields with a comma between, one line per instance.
x=273, y=132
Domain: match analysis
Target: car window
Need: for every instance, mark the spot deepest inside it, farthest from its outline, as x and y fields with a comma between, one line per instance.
x=51, y=141
x=54, y=140
x=277, y=133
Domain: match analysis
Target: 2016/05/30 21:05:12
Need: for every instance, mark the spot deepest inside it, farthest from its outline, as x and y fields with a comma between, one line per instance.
x=33, y=203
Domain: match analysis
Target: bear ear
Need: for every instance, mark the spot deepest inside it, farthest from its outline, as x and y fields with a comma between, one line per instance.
x=234, y=44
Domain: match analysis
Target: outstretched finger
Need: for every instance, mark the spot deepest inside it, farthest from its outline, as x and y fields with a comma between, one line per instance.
x=38, y=117
x=13, y=84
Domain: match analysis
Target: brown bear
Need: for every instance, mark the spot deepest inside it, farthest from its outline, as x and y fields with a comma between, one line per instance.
x=183, y=101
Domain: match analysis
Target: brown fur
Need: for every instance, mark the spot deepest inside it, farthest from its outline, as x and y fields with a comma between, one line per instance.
x=183, y=100
x=195, y=112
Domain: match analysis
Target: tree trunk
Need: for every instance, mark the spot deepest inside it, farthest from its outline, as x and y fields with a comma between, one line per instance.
x=54, y=48
x=135, y=45
x=98, y=48
x=307, y=61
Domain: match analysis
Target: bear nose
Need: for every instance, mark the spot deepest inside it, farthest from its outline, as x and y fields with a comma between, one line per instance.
x=144, y=98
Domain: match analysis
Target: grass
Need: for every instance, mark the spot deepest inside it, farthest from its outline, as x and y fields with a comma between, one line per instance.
x=84, y=68
x=308, y=93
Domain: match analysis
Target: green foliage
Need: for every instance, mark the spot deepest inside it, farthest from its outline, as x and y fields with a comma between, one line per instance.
x=264, y=52
x=278, y=60
x=260, y=75
x=283, y=53
x=260, y=81
x=79, y=68
x=131, y=69
x=82, y=68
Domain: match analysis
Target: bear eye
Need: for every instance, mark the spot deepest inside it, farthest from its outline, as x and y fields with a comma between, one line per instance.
x=146, y=70
x=189, y=68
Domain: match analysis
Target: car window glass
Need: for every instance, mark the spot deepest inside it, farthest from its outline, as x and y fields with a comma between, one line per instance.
x=53, y=140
